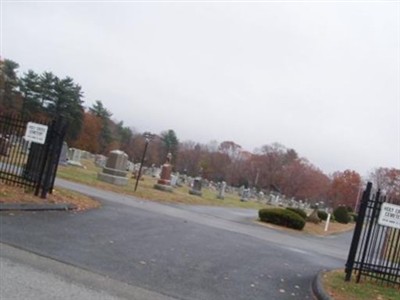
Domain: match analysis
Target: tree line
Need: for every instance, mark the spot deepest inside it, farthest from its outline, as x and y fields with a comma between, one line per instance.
x=273, y=167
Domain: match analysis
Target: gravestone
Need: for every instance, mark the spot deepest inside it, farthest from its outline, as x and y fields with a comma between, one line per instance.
x=260, y=196
x=5, y=146
x=245, y=195
x=164, y=183
x=63, y=160
x=313, y=217
x=100, y=160
x=130, y=167
x=87, y=155
x=196, y=188
x=75, y=157
x=221, y=190
x=174, y=180
x=156, y=172
x=114, y=171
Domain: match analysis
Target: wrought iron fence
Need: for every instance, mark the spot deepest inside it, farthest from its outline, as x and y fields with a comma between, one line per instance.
x=27, y=163
x=375, y=248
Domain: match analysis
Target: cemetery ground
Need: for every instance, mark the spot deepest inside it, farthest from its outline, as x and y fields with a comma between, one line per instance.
x=88, y=175
x=145, y=190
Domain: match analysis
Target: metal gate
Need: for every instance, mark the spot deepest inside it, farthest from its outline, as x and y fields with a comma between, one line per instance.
x=375, y=248
x=26, y=162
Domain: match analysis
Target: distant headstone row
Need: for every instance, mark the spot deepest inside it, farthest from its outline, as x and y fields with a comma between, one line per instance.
x=116, y=167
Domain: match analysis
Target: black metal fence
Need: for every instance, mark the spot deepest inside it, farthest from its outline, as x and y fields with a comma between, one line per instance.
x=28, y=163
x=375, y=248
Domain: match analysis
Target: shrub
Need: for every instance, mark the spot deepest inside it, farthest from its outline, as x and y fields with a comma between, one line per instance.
x=298, y=211
x=283, y=217
x=323, y=215
x=353, y=217
x=341, y=215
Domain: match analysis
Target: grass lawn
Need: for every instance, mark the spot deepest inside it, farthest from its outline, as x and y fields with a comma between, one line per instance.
x=145, y=190
x=338, y=289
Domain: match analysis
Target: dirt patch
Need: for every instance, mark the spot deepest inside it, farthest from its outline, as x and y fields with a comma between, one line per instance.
x=17, y=195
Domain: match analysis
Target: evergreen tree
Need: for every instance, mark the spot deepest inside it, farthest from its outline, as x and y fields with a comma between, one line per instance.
x=31, y=91
x=105, y=138
x=8, y=85
x=48, y=83
x=170, y=142
x=67, y=102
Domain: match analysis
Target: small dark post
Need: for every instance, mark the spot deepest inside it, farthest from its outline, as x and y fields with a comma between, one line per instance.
x=147, y=136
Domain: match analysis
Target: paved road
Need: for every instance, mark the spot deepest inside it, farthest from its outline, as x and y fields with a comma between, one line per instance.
x=177, y=251
x=25, y=275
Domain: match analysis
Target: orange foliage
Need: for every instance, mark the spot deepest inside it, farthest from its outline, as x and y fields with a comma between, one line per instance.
x=89, y=136
x=345, y=188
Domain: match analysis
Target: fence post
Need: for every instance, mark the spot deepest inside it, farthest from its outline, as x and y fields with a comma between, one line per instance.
x=357, y=231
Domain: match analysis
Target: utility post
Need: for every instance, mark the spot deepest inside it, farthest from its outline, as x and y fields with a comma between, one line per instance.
x=148, y=136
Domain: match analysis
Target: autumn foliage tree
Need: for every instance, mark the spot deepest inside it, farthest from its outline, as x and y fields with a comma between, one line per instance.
x=345, y=188
x=88, y=137
x=388, y=181
x=302, y=180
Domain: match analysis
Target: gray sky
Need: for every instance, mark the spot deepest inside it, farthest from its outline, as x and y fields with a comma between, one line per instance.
x=320, y=77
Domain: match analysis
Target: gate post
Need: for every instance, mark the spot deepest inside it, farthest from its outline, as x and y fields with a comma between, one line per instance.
x=45, y=155
x=55, y=142
x=357, y=232
x=370, y=228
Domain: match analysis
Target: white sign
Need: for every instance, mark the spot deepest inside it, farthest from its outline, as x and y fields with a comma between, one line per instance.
x=35, y=133
x=390, y=215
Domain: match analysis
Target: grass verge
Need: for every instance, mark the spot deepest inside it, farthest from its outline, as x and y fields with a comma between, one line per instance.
x=314, y=229
x=335, y=286
x=17, y=195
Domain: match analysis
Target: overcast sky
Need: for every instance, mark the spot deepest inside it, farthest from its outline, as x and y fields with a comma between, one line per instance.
x=320, y=77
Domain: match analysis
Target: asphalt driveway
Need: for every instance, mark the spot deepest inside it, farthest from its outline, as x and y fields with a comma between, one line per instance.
x=180, y=251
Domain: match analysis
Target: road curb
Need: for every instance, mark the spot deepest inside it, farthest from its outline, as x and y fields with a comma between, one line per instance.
x=317, y=287
x=35, y=207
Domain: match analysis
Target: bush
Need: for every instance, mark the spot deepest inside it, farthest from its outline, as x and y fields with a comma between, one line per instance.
x=323, y=215
x=283, y=217
x=353, y=217
x=341, y=215
x=298, y=211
